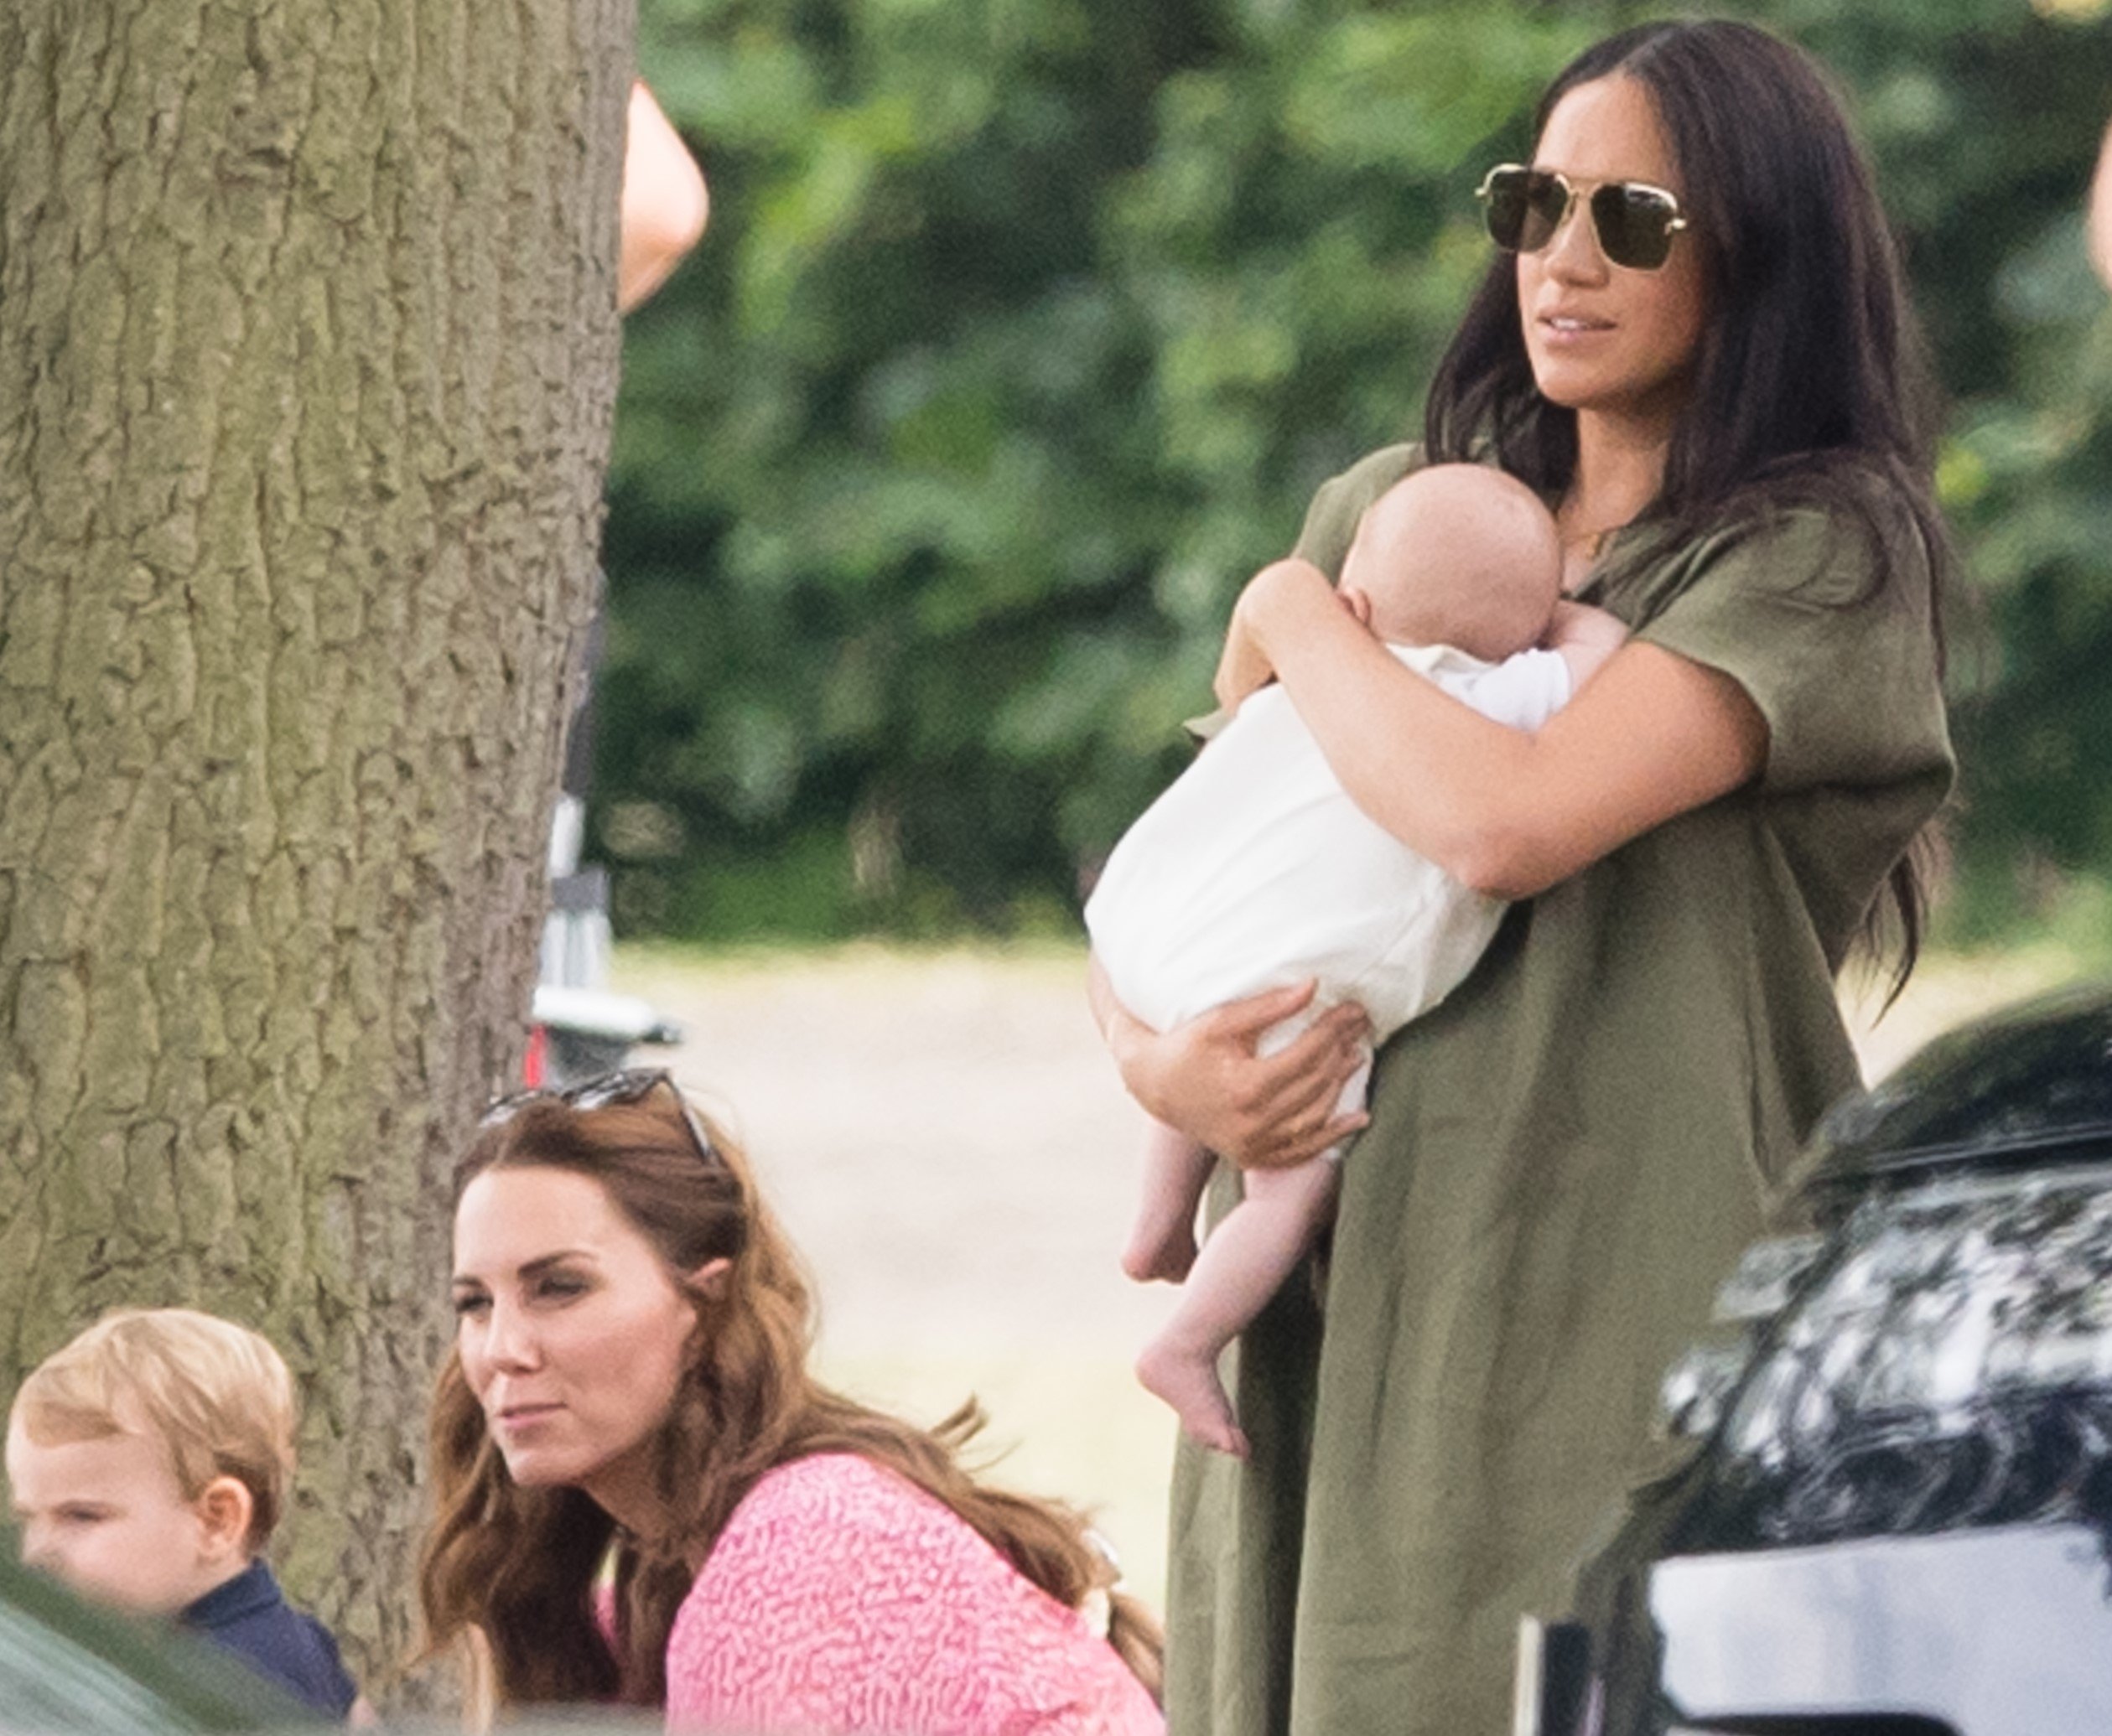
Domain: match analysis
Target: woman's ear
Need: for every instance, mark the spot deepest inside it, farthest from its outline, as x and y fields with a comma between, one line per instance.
x=710, y=1280
x=224, y=1509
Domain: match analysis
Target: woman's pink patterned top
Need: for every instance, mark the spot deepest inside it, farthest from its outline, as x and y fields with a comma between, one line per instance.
x=840, y=1598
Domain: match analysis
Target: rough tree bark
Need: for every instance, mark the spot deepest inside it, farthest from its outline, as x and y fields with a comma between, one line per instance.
x=308, y=349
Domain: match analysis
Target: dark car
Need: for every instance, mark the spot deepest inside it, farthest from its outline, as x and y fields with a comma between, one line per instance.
x=1897, y=1517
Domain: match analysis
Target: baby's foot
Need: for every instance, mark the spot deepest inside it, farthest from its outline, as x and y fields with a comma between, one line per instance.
x=1161, y=1251
x=1190, y=1384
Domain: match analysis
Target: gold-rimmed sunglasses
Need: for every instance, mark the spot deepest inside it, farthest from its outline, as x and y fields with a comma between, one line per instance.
x=632, y=1084
x=1635, y=222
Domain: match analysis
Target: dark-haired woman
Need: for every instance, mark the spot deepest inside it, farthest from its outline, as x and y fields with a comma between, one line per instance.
x=629, y=1380
x=1697, y=348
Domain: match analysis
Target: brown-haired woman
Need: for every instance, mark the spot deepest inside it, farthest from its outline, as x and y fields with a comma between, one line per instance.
x=630, y=1379
x=1694, y=342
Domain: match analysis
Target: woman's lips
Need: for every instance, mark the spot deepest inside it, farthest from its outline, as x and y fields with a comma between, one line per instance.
x=525, y=1416
x=1561, y=330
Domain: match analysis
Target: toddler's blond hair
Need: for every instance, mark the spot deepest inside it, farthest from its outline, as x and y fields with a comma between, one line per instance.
x=217, y=1395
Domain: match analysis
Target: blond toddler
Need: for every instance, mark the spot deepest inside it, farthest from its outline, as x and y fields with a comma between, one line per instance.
x=148, y=1462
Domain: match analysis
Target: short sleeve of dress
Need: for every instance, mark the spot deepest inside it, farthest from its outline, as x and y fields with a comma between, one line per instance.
x=1330, y=520
x=1330, y=527
x=1840, y=662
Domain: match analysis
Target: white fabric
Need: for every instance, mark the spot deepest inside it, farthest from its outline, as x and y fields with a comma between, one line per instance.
x=1254, y=869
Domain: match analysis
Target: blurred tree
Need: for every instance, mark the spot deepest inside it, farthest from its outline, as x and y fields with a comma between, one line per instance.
x=305, y=380
x=1029, y=326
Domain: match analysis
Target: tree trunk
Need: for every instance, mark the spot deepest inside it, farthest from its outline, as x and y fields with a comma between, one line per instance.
x=308, y=351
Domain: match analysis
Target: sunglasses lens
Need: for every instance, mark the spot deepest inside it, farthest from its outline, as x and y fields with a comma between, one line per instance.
x=628, y=1086
x=1503, y=207
x=1523, y=208
x=1634, y=224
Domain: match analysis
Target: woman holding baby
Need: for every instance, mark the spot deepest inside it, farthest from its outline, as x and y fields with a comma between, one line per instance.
x=1696, y=346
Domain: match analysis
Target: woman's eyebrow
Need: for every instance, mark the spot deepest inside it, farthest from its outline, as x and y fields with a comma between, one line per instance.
x=543, y=1263
x=534, y=1268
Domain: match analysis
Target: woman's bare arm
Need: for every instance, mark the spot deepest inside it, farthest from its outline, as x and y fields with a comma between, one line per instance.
x=1506, y=812
x=1204, y=1078
x=665, y=203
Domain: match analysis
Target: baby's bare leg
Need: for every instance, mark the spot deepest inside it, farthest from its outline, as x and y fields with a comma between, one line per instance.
x=1244, y=1263
x=1162, y=1243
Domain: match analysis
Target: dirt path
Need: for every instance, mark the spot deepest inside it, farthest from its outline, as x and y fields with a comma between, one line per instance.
x=949, y=1146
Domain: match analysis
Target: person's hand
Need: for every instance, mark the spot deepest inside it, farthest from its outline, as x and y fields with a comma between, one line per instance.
x=1245, y=665
x=1265, y=1113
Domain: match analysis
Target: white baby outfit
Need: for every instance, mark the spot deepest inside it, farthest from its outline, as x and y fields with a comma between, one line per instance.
x=1255, y=870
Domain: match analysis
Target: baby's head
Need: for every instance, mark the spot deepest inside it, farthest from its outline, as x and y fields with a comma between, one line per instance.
x=1460, y=555
x=149, y=1459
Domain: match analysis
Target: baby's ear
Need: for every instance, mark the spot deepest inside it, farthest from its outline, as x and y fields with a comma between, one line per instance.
x=710, y=1280
x=225, y=1507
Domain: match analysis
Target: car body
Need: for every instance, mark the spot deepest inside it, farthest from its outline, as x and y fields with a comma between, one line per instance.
x=1896, y=1516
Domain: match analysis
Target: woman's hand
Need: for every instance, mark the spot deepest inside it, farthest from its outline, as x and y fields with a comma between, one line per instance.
x=1204, y=1078
x=1242, y=667
x=1506, y=812
x=1244, y=664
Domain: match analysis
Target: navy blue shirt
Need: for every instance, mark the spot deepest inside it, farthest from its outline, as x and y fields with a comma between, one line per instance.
x=250, y=1616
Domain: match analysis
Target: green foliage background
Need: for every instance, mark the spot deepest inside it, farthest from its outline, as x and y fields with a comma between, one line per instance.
x=1024, y=329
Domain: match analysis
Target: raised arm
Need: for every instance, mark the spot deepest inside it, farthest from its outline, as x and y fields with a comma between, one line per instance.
x=1507, y=812
x=665, y=203
x=2100, y=220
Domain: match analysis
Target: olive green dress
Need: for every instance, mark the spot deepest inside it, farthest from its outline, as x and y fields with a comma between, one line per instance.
x=1563, y=1161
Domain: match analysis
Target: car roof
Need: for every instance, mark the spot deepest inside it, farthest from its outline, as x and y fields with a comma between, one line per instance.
x=2027, y=1086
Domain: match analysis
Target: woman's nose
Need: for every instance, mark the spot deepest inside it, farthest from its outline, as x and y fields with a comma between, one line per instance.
x=510, y=1340
x=1573, y=251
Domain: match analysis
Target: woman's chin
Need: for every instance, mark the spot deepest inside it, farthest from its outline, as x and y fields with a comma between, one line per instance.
x=1610, y=393
x=1571, y=387
x=540, y=1468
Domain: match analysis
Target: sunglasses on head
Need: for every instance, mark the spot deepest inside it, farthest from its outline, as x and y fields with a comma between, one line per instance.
x=1635, y=222
x=633, y=1085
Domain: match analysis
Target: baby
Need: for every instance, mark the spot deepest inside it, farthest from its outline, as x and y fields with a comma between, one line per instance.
x=1255, y=870
x=148, y=1461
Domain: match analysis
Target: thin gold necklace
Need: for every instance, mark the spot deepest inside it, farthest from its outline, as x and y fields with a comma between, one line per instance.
x=1588, y=543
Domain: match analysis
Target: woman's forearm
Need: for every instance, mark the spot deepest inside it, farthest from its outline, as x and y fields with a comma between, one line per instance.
x=1434, y=772
x=1506, y=812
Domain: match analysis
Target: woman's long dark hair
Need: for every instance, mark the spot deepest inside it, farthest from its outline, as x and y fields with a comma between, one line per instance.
x=511, y=1572
x=1811, y=383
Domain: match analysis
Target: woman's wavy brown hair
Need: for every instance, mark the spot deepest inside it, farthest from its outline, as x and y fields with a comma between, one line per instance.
x=1812, y=386
x=511, y=1572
